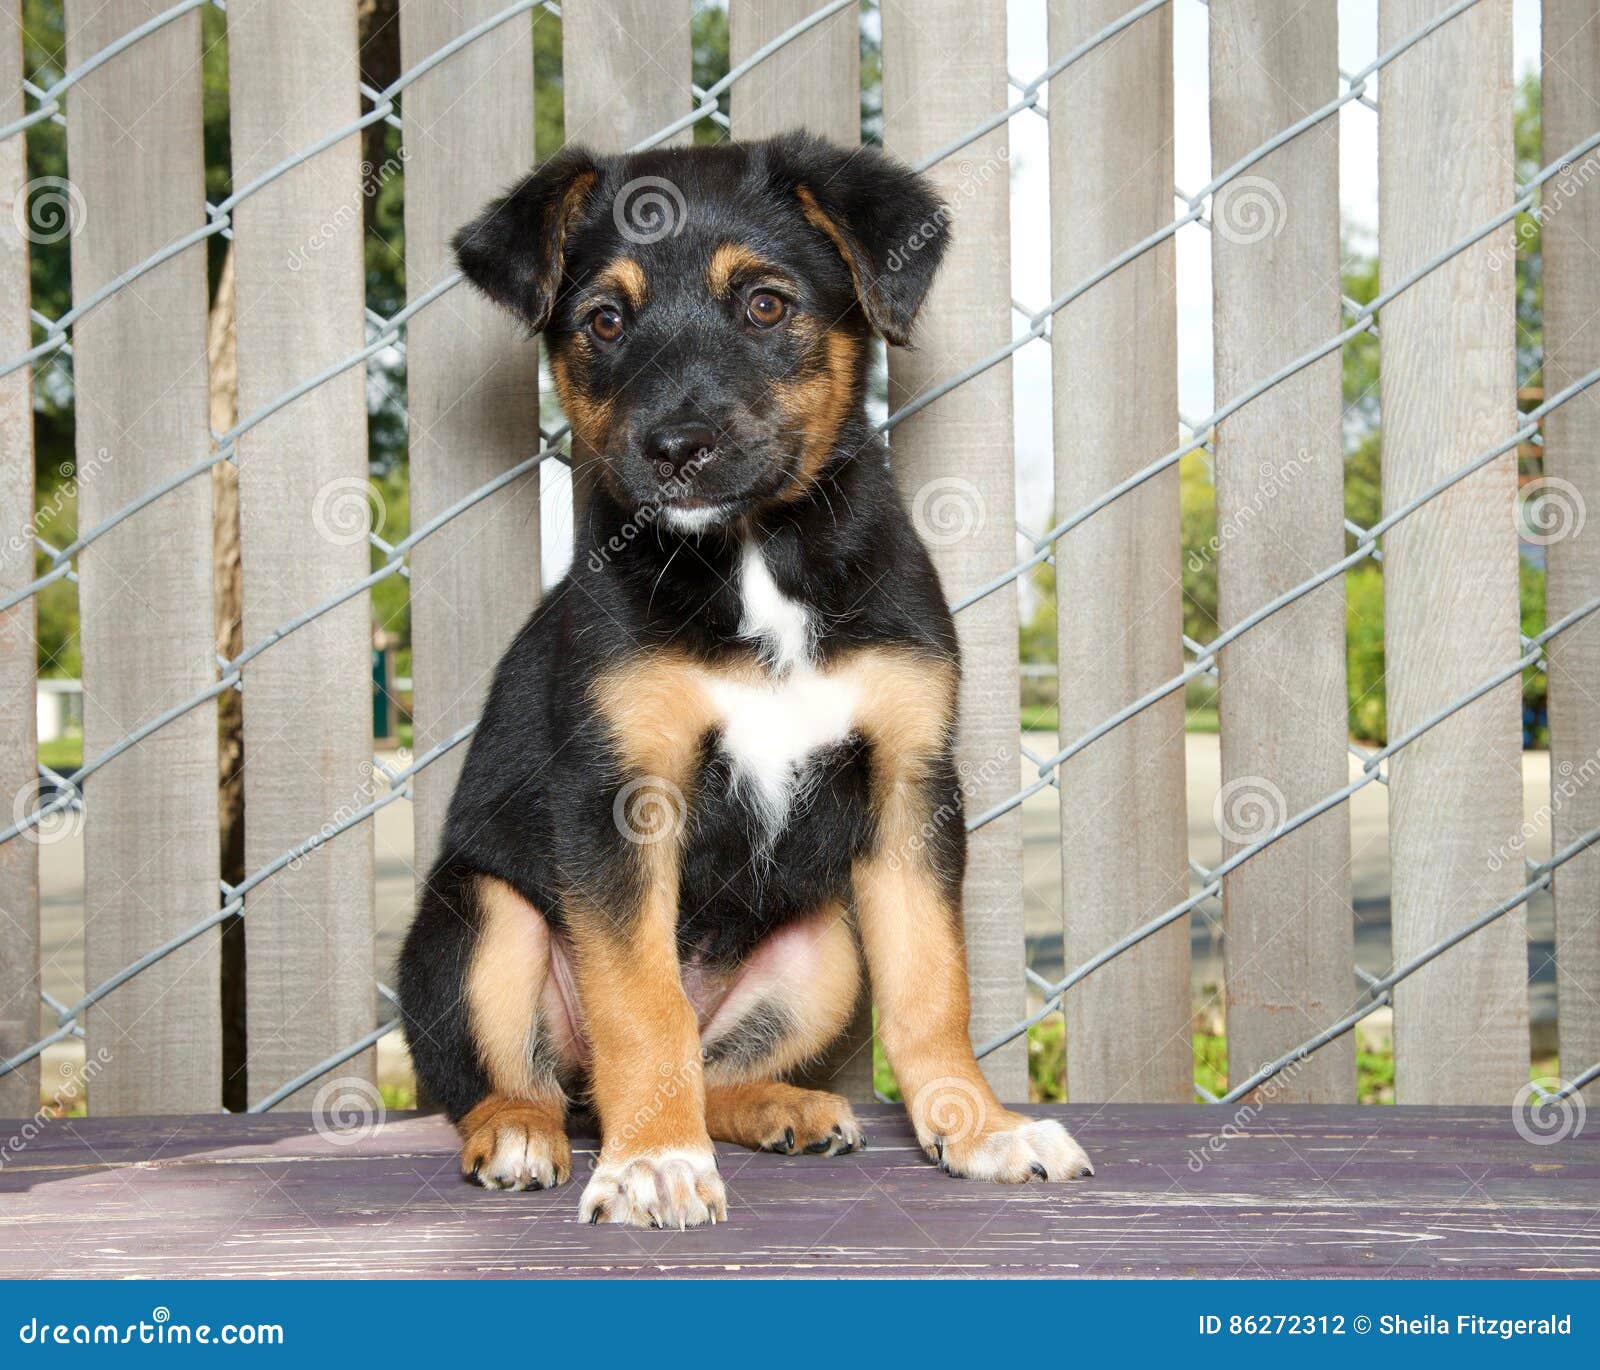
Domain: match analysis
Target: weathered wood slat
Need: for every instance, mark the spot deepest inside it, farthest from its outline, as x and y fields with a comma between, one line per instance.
x=1450, y=569
x=1571, y=92
x=19, y=755
x=1299, y=1191
x=812, y=82
x=626, y=70
x=944, y=70
x=305, y=511
x=1288, y=932
x=1124, y=848
x=815, y=84
x=144, y=589
x=472, y=384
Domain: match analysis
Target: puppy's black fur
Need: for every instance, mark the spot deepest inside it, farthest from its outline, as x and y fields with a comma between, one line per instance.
x=534, y=806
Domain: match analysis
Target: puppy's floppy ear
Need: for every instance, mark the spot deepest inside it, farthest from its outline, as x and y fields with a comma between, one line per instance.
x=885, y=220
x=512, y=251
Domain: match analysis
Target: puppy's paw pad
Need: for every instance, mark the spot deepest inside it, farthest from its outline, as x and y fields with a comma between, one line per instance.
x=516, y=1149
x=669, y=1189
x=1033, y=1149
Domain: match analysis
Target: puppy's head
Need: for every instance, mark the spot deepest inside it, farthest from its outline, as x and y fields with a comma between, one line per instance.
x=708, y=311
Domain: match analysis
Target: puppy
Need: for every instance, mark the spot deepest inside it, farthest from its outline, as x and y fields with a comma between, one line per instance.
x=717, y=762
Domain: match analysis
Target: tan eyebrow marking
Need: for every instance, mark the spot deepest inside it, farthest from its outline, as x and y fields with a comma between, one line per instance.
x=627, y=278
x=734, y=259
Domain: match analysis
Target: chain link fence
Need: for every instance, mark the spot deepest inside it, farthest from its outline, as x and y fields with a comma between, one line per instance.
x=67, y=791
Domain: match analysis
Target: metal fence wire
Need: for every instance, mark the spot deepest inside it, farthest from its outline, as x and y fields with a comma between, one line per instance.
x=389, y=333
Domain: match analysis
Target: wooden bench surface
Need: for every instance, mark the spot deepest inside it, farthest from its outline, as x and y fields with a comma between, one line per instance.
x=1308, y=1191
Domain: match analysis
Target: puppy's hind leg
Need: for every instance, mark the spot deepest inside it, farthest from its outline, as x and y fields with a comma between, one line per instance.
x=472, y=975
x=793, y=999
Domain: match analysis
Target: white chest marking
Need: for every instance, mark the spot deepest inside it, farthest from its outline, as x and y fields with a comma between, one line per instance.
x=781, y=625
x=772, y=727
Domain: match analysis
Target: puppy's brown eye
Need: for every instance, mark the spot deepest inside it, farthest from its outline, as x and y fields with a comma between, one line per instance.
x=765, y=309
x=606, y=324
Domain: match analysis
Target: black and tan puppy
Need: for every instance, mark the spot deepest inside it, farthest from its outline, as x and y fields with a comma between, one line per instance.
x=721, y=749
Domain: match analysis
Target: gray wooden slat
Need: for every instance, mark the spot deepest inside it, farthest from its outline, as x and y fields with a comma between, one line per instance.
x=472, y=379
x=1118, y=582
x=625, y=70
x=812, y=82
x=304, y=514
x=944, y=71
x=19, y=748
x=1450, y=569
x=144, y=592
x=1302, y=1191
x=1571, y=88
x=1288, y=932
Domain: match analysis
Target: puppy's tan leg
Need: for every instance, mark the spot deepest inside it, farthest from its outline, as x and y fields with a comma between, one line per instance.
x=907, y=900
x=793, y=999
x=516, y=1137
x=656, y=1166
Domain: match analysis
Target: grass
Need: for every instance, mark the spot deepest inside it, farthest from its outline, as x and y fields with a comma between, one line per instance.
x=62, y=754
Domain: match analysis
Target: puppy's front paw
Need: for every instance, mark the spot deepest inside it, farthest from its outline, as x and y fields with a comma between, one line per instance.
x=512, y=1145
x=678, y=1189
x=1034, y=1149
x=961, y=1127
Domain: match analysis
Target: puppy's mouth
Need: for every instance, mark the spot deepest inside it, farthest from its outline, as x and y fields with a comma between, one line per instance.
x=697, y=513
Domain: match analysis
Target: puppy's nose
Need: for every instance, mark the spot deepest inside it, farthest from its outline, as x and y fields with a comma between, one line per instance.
x=674, y=446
